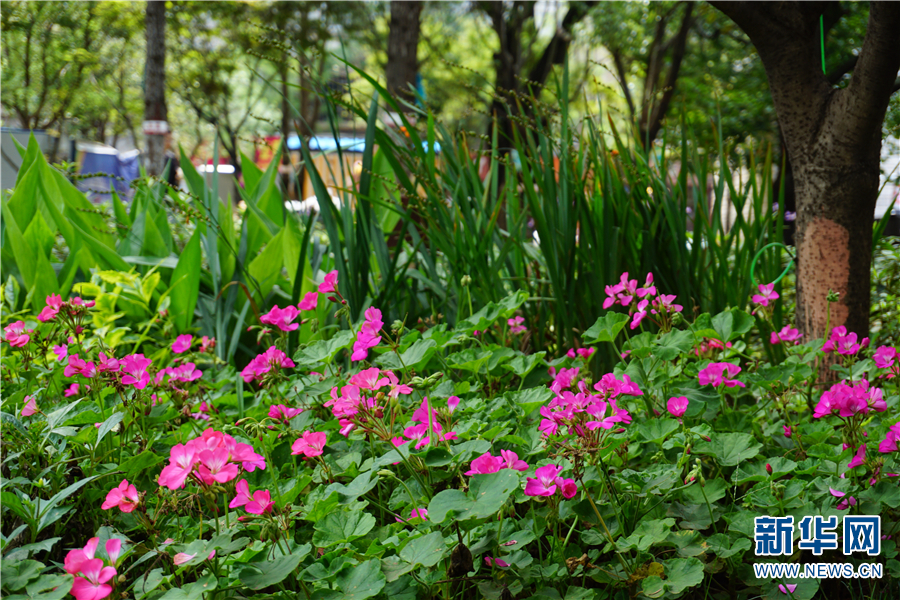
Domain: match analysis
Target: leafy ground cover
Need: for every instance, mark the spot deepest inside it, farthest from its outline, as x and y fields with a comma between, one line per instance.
x=436, y=461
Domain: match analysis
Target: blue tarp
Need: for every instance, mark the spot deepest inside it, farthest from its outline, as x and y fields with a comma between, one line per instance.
x=94, y=158
x=348, y=144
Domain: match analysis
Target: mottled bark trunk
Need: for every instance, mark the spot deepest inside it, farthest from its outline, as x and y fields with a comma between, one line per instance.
x=403, y=43
x=155, y=84
x=833, y=138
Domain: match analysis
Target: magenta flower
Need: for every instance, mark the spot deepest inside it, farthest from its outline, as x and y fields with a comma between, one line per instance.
x=789, y=588
x=54, y=304
x=280, y=412
x=486, y=464
x=567, y=487
x=309, y=444
x=15, y=334
x=108, y=364
x=787, y=334
x=842, y=342
x=677, y=406
x=182, y=343
x=125, y=496
x=545, y=482
x=262, y=503
x=242, y=494
x=369, y=379
x=135, y=368
x=665, y=303
x=884, y=357
x=181, y=558
x=419, y=434
x=640, y=313
x=250, y=460
x=181, y=462
x=843, y=504
x=74, y=366
x=368, y=336
x=889, y=443
x=329, y=285
x=264, y=363
x=30, y=407
x=60, y=351
x=420, y=513
x=75, y=558
x=717, y=374
x=512, y=461
x=113, y=548
x=515, y=325
x=309, y=302
x=787, y=431
x=490, y=561
x=282, y=318
x=858, y=458
x=766, y=294
x=92, y=583
x=452, y=403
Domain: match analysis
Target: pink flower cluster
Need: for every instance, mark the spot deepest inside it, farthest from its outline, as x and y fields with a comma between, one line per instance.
x=184, y=373
x=361, y=394
x=845, y=503
x=885, y=357
x=708, y=346
x=890, y=441
x=91, y=574
x=182, y=343
x=310, y=444
x=766, y=294
x=492, y=464
x=843, y=343
x=428, y=424
x=787, y=334
x=627, y=293
x=264, y=363
x=547, y=481
x=583, y=410
x=584, y=353
x=515, y=325
x=259, y=503
x=30, y=407
x=850, y=398
x=132, y=367
x=282, y=413
x=55, y=304
x=717, y=374
x=214, y=457
x=368, y=336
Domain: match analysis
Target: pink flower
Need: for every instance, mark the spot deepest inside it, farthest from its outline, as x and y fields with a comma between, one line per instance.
x=490, y=561
x=182, y=343
x=15, y=334
x=135, y=368
x=515, y=325
x=512, y=461
x=368, y=336
x=207, y=344
x=420, y=513
x=280, y=412
x=889, y=443
x=567, y=487
x=30, y=407
x=843, y=504
x=215, y=466
x=787, y=431
x=125, y=496
x=282, y=318
x=485, y=464
x=787, y=334
x=181, y=461
x=309, y=302
x=370, y=379
x=262, y=503
x=717, y=374
x=264, y=363
x=75, y=558
x=859, y=458
x=677, y=406
x=640, y=313
x=113, y=548
x=789, y=588
x=310, y=444
x=452, y=403
x=884, y=357
x=766, y=293
x=842, y=342
x=108, y=364
x=545, y=482
x=92, y=584
x=328, y=286
x=60, y=351
x=54, y=303
x=242, y=494
x=665, y=303
x=419, y=433
x=181, y=558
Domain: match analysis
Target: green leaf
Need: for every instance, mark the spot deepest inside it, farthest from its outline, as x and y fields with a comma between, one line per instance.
x=50, y=587
x=732, y=324
x=647, y=534
x=523, y=365
x=17, y=575
x=415, y=357
x=141, y=463
x=681, y=574
x=725, y=547
x=260, y=575
x=192, y=591
x=729, y=449
x=605, y=329
x=426, y=550
x=342, y=526
x=471, y=359
x=673, y=344
x=885, y=492
x=356, y=488
x=186, y=284
x=108, y=425
x=149, y=582
x=487, y=494
x=657, y=430
x=363, y=581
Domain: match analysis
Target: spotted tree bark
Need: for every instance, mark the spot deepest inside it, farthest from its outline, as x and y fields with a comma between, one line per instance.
x=403, y=42
x=155, y=83
x=833, y=139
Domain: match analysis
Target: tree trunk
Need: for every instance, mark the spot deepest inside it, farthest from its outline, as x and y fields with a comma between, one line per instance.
x=285, y=128
x=155, y=84
x=833, y=138
x=403, y=43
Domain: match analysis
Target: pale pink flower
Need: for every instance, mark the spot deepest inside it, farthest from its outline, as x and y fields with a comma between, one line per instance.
x=215, y=466
x=30, y=407
x=125, y=496
x=369, y=379
x=787, y=334
x=182, y=458
x=92, y=583
x=512, y=461
x=207, y=344
x=75, y=558
x=54, y=304
x=242, y=494
x=280, y=412
x=789, y=588
x=766, y=294
x=181, y=558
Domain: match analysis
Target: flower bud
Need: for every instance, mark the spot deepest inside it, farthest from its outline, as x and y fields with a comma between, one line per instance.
x=768, y=468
